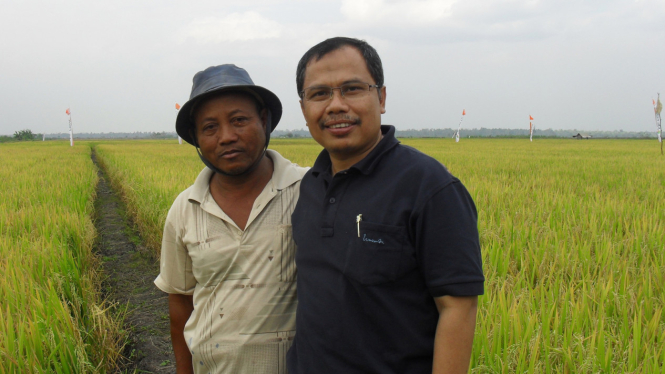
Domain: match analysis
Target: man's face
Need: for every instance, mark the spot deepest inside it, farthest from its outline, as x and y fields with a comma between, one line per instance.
x=344, y=127
x=230, y=132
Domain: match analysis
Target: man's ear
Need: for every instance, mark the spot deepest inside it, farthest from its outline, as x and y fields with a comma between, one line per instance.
x=194, y=135
x=382, y=99
x=302, y=108
x=264, y=117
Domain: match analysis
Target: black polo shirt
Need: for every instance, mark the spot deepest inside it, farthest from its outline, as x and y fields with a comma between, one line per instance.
x=366, y=288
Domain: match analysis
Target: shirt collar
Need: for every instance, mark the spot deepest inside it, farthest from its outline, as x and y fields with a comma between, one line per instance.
x=284, y=174
x=367, y=164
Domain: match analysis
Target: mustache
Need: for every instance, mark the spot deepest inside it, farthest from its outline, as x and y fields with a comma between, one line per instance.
x=343, y=117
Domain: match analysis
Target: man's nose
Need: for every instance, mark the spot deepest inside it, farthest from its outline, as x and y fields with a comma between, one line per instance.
x=337, y=102
x=227, y=134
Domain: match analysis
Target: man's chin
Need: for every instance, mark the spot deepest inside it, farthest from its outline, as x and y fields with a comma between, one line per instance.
x=342, y=147
x=234, y=171
x=236, y=168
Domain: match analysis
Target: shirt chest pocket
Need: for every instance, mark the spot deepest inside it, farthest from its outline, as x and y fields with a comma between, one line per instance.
x=216, y=261
x=380, y=254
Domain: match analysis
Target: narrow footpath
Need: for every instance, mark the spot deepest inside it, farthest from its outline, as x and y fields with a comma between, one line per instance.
x=130, y=270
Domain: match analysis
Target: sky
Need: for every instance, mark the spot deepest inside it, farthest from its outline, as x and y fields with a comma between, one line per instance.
x=121, y=66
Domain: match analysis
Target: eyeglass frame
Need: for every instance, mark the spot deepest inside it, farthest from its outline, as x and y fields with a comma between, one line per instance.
x=332, y=90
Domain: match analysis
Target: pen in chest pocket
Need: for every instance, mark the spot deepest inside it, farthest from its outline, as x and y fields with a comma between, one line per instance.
x=358, y=219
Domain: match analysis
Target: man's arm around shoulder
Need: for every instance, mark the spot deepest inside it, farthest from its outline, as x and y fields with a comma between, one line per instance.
x=454, y=334
x=180, y=308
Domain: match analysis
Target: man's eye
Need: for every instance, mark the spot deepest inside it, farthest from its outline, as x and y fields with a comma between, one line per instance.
x=210, y=129
x=239, y=120
x=319, y=93
x=353, y=88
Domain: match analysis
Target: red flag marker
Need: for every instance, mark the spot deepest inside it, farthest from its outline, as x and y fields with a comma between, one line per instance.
x=67, y=111
x=530, y=118
x=177, y=106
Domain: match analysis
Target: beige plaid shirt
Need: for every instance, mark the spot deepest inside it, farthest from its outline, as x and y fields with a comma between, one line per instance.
x=243, y=282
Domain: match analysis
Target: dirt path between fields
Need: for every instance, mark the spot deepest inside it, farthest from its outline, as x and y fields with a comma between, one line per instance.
x=130, y=270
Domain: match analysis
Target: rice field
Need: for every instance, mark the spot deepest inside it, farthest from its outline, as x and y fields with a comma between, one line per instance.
x=572, y=236
x=573, y=241
x=52, y=317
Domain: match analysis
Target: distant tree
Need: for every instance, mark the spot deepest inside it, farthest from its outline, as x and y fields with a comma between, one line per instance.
x=24, y=135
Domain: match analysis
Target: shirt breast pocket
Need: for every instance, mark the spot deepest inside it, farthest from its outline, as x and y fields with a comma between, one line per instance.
x=215, y=261
x=380, y=255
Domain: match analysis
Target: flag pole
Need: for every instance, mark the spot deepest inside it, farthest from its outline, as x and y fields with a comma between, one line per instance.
x=177, y=107
x=530, y=128
x=459, y=127
x=657, y=108
x=71, y=129
x=530, y=131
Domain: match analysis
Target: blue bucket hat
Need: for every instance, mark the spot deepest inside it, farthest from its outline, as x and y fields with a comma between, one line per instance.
x=216, y=79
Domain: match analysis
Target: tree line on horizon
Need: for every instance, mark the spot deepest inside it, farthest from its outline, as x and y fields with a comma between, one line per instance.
x=482, y=132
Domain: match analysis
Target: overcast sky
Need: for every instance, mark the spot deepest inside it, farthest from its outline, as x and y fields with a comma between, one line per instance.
x=122, y=65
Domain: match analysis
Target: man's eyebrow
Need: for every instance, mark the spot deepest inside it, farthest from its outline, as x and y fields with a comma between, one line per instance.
x=207, y=119
x=354, y=80
x=236, y=111
x=232, y=113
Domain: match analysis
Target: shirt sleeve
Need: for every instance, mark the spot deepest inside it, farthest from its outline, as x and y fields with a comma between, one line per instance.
x=175, y=264
x=448, y=244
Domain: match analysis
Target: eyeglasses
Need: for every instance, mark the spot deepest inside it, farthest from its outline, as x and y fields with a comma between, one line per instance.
x=349, y=91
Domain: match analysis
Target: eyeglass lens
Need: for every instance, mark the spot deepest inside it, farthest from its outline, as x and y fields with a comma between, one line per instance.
x=348, y=90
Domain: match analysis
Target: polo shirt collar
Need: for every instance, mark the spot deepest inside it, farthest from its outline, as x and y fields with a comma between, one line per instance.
x=367, y=164
x=284, y=174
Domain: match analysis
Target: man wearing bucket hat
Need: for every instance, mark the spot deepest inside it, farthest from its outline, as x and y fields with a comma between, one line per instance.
x=227, y=259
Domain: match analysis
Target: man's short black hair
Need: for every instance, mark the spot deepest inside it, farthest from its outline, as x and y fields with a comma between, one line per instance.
x=317, y=52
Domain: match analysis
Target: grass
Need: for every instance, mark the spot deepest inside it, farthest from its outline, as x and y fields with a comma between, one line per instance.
x=573, y=240
x=572, y=236
x=52, y=316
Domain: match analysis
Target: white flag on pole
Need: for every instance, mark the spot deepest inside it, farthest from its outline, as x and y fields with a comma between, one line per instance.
x=71, y=130
x=459, y=127
x=657, y=108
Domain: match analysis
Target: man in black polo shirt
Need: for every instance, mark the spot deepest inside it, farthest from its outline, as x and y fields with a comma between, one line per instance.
x=389, y=264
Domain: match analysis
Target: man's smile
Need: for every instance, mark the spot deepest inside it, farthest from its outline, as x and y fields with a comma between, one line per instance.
x=339, y=125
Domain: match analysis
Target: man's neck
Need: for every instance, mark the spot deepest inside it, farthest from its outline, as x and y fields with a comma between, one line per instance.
x=342, y=161
x=236, y=195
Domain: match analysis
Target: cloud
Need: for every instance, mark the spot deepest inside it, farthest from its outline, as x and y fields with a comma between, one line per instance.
x=234, y=27
x=421, y=12
x=432, y=22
